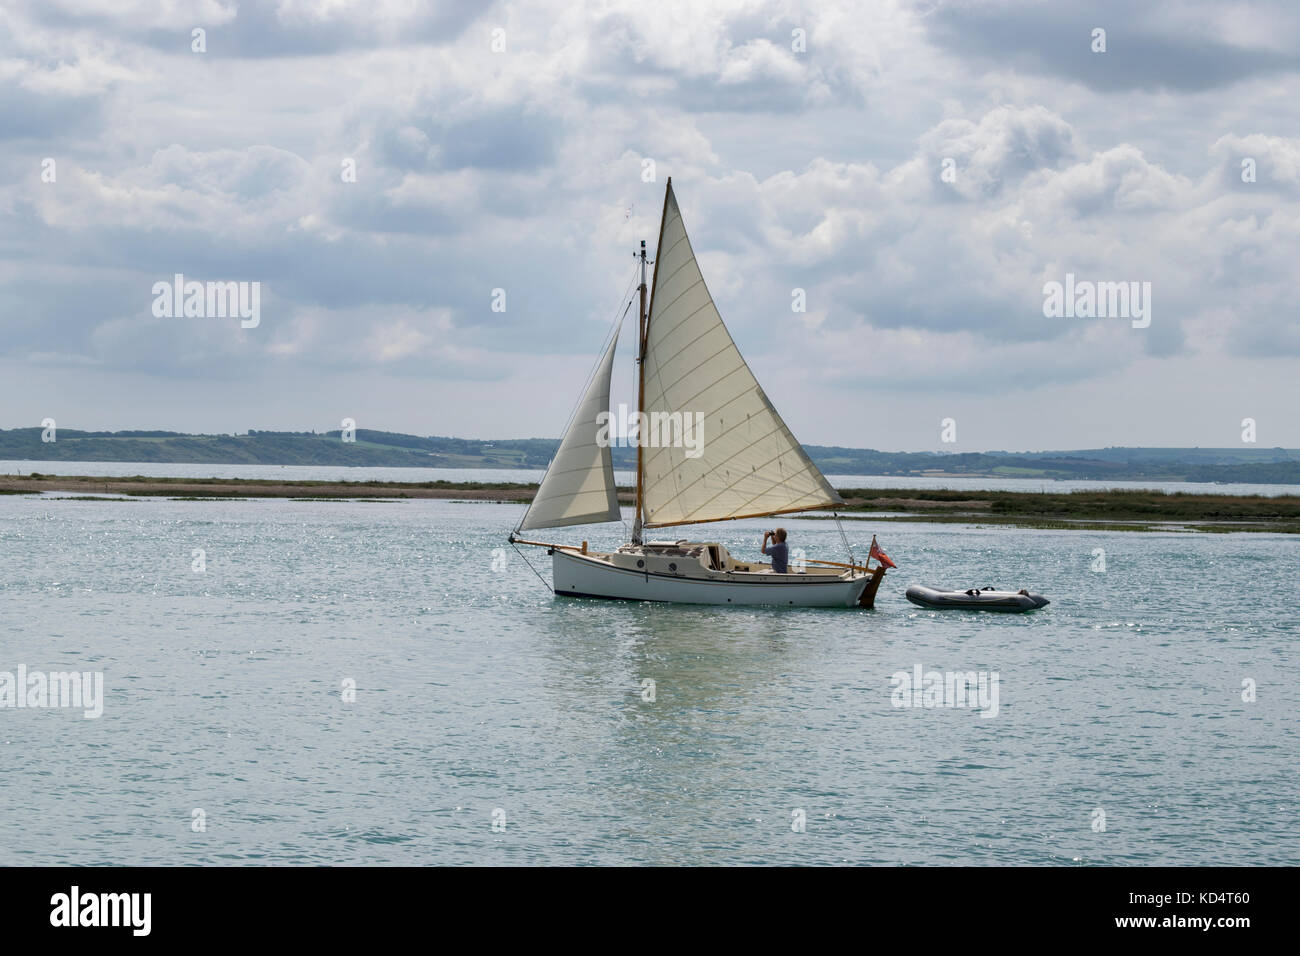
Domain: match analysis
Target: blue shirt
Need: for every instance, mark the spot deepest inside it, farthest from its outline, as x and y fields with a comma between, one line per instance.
x=780, y=555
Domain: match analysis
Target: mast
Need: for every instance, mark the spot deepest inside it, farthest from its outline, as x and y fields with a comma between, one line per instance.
x=640, y=398
x=640, y=361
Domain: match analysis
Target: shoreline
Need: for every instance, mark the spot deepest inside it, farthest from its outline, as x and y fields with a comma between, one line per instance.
x=148, y=487
x=1110, y=510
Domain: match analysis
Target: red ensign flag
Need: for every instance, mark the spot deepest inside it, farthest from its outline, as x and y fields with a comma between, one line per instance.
x=880, y=555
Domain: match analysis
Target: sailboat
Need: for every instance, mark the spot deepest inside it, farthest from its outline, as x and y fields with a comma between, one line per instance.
x=745, y=463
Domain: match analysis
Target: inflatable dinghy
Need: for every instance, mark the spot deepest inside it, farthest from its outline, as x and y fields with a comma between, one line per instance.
x=976, y=599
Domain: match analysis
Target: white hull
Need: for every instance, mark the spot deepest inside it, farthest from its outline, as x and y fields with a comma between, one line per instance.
x=594, y=575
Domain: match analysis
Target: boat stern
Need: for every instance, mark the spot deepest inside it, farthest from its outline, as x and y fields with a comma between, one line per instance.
x=868, y=596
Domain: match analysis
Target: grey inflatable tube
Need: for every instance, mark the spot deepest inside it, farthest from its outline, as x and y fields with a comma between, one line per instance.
x=975, y=599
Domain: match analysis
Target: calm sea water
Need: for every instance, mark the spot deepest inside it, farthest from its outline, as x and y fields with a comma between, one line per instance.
x=478, y=693
x=626, y=478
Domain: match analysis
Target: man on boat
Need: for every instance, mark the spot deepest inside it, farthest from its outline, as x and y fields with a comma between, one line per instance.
x=779, y=552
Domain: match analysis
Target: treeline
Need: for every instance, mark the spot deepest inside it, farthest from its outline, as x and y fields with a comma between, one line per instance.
x=394, y=449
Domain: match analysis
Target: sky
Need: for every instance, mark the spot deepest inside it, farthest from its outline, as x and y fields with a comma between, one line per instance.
x=440, y=203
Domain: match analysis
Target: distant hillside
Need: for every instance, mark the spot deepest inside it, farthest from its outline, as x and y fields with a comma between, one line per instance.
x=1251, y=466
x=1245, y=454
x=277, y=448
x=392, y=449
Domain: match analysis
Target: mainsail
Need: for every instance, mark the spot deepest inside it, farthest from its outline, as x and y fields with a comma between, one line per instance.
x=748, y=463
x=578, y=487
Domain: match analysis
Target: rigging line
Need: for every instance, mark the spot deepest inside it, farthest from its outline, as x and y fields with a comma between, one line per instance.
x=531, y=568
x=845, y=538
x=618, y=325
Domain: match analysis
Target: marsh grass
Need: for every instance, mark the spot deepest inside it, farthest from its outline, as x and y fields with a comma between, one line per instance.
x=1100, y=510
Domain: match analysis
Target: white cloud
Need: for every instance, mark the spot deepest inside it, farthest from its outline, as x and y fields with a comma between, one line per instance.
x=523, y=170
